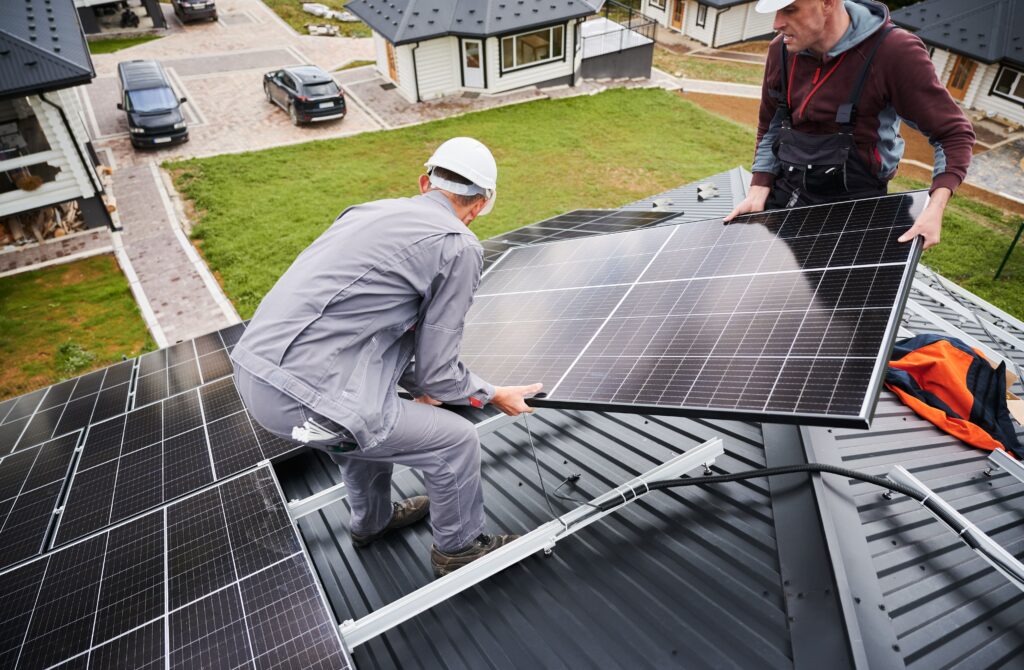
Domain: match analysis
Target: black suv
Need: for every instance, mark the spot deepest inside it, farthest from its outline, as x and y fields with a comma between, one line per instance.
x=306, y=92
x=153, y=109
x=194, y=10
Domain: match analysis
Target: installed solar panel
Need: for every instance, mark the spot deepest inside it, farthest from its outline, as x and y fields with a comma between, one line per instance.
x=572, y=225
x=216, y=579
x=784, y=316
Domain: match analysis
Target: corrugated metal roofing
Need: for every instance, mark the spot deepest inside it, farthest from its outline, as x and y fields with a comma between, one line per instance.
x=42, y=47
x=989, y=31
x=731, y=188
x=405, y=21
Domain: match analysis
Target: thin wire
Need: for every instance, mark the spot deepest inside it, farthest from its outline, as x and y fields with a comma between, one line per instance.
x=540, y=477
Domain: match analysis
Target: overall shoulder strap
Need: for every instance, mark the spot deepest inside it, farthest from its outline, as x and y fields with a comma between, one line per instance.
x=847, y=113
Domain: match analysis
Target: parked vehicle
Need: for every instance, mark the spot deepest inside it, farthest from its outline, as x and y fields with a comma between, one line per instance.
x=306, y=92
x=194, y=10
x=153, y=108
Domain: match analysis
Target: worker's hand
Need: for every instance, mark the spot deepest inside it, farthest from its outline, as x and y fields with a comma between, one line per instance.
x=427, y=400
x=754, y=202
x=929, y=224
x=512, y=399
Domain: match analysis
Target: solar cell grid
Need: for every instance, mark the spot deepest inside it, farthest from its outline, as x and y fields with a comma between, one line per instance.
x=782, y=314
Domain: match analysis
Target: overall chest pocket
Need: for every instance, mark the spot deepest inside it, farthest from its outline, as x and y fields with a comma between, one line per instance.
x=817, y=164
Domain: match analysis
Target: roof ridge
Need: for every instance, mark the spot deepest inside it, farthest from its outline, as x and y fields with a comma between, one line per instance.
x=42, y=53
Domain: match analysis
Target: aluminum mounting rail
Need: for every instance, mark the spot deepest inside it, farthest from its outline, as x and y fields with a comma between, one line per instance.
x=1000, y=559
x=1003, y=460
x=544, y=538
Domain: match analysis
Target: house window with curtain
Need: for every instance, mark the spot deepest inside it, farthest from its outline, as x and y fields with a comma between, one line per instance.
x=532, y=48
x=702, y=14
x=1010, y=84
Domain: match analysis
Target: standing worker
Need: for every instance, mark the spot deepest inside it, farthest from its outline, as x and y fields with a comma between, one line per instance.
x=323, y=357
x=839, y=78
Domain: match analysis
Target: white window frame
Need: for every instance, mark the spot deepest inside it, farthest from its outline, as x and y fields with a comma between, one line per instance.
x=702, y=15
x=657, y=4
x=1016, y=82
x=551, y=48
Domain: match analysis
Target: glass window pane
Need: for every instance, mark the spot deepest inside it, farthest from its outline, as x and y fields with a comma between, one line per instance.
x=556, y=41
x=507, y=53
x=473, y=54
x=533, y=47
x=1018, y=90
x=1005, y=81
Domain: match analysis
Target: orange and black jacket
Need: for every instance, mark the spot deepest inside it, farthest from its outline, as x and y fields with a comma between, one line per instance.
x=954, y=387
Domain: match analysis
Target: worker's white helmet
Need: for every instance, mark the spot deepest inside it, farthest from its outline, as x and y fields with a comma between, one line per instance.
x=769, y=6
x=467, y=158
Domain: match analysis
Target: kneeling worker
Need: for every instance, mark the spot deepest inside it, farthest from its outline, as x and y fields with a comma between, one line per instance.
x=331, y=342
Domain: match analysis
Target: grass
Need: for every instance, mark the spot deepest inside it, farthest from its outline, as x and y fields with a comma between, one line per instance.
x=63, y=321
x=117, y=43
x=695, y=67
x=291, y=12
x=354, y=64
x=257, y=211
x=752, y=47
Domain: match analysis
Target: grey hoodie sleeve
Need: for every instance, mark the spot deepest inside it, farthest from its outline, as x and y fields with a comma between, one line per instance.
x=437, y=370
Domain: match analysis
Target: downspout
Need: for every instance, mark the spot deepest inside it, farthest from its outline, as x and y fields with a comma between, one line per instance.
x=576, y=41
x=416, y=72
x=718, y=15
x=74, y=142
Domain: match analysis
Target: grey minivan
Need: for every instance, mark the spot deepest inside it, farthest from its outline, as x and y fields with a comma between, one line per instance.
x=153, y=108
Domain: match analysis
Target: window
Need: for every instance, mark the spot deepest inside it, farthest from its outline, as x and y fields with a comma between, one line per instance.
x=658, y=4
x=1010, y=84
x=702, y=14
x=150, y=100
x=538, y=46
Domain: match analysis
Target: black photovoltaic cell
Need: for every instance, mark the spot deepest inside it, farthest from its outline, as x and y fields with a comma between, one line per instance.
x=572, y=225
x=100, y=602
x=782, y=315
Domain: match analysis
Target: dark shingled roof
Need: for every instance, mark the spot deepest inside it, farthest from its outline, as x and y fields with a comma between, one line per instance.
x=42, y=47
x=405, y=21
x=989, y=32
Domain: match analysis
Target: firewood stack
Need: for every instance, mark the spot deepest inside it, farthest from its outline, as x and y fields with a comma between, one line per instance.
x=41, y=224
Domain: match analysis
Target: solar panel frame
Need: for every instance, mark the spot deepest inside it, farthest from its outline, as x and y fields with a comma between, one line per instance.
x=863, y=418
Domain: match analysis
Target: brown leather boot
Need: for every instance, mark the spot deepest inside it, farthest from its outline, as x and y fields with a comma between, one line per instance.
x=407, y=512
x=483, y=544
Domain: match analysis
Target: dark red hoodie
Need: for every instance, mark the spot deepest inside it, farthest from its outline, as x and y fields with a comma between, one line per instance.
x=901, y=85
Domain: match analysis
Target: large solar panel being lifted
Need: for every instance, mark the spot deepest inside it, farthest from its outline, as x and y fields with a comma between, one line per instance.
x=217, y=579
x=781, y=316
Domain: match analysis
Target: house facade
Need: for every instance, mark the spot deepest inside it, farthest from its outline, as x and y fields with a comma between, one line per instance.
x=429, y=49
x=715, y=23
x=45, y=155
x=978, y=51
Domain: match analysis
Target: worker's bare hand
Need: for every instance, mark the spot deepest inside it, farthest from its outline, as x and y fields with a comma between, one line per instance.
x=754, y=202
x=427, y=400
x=512, y=399
x=929, y=224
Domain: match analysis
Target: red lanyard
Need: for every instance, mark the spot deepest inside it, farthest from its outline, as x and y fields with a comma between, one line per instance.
x=792, y=69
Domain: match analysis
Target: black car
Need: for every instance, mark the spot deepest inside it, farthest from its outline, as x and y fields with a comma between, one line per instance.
x=194, y=10
x=306, y=92
x=153, y=108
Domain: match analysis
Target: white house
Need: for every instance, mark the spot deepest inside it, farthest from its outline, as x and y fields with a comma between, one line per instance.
x=432, y=48
x=715, y=23
x=45, y=156
x=977, y=49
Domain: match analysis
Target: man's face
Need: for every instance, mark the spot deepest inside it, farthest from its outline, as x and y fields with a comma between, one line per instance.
x=802, y=24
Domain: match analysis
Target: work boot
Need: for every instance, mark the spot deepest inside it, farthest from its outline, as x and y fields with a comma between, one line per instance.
x=483, y=544
x=406, y=513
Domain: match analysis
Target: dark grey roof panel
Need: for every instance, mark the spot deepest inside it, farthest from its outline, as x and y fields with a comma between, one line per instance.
x=405, y=21
x=688, y=579
x=988, y=31
x=42, y=47
x=732, y=187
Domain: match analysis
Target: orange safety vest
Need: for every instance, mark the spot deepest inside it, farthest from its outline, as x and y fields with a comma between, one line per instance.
x=955, y=387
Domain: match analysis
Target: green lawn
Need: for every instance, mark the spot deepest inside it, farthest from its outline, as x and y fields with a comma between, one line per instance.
x=63, y=321
x=117, y=43
x=259, y=210
x=291, y=12
x=695, y=67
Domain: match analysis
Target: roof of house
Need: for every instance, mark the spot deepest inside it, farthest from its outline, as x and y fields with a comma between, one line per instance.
x=42, y=48
x=751, y=574
x=989, y=31
x=406, y=21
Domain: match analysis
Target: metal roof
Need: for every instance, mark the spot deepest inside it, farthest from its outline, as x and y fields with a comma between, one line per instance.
x=42, y=47
x=754, y=574
x=989, y=31
x=405, y=21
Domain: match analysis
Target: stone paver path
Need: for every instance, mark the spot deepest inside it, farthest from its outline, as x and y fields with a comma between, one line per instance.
x=1000, y=170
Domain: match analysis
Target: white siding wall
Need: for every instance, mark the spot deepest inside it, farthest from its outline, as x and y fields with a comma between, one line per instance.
x=380, y=48
x=990, y=103
x=942, y=63
x=406, y=75
x=974, y=89
x=690, y=26
x=656, y=13
x=757, y=24
x=71, y=182
x=731, y=25
x=498, y=82
x=437, y=63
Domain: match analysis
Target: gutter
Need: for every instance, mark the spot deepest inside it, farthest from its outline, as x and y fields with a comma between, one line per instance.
x=74, y=142
x=718, y=15
x=416, y=72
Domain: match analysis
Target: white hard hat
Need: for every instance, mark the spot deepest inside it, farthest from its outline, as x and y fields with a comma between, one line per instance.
x=470, y=159
x=769, y=6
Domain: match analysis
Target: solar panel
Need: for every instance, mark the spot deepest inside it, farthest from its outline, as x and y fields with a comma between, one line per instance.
x=781, y=316
x=216, y=579
x=572, y=225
